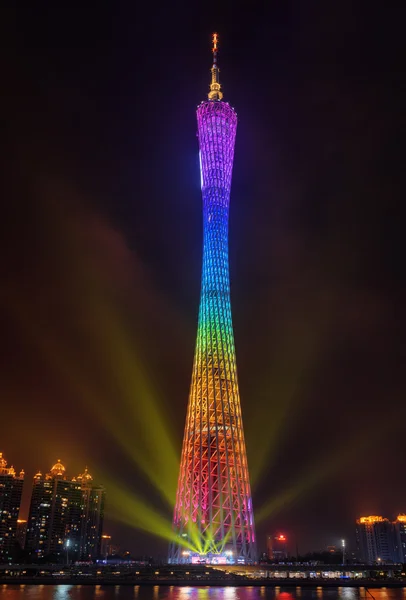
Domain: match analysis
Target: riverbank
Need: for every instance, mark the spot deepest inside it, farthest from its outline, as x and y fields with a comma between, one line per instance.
x=227, y=582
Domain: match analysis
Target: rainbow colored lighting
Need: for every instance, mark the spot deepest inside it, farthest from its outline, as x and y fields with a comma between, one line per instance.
x=213, y=509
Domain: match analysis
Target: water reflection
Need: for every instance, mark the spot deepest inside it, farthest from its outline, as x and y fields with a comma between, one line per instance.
x=286, y=596
x=185, y=593
x=160, y=592
x=349, y=593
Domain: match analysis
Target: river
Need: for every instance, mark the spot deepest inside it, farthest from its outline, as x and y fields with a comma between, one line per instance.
x=124, y=592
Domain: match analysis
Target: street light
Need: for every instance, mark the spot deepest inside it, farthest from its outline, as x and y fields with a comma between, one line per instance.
x=343, y=546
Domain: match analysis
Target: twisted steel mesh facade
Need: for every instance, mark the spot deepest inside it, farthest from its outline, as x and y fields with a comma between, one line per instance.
x=213, y=513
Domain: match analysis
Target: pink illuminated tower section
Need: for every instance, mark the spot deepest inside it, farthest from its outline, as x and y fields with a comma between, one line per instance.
x=213, y=518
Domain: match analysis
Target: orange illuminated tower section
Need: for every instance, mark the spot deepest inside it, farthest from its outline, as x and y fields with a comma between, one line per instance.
x=213, y=518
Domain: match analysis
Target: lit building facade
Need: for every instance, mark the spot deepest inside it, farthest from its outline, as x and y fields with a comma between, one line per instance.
x=66, y=516
x=54, y=516
x=277, y=547
x=400, y=537
x=106, y=546
x=21, y=532
x=93, y=498
x=213, y=517
x=375, y=536
x=11, y=489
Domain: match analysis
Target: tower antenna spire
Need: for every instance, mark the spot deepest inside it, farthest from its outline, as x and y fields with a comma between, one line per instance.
x=215, y=87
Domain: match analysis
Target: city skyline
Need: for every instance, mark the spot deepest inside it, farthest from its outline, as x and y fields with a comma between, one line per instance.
x=101, y=270
x=276, y=546
x=66, y=515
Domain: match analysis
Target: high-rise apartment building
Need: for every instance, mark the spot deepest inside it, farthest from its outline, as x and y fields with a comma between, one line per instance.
x=375, y=536
x=11, y=489
x=400, y=537
x=93, y=498
x=21, y=532
x=55, y=513
x=66, y=515
x=213, y=517
x=106, y=546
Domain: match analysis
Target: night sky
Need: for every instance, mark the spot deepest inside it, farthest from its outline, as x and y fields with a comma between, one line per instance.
x=101, y=249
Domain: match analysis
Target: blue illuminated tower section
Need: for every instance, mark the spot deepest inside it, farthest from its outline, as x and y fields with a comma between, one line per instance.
x=213, y=518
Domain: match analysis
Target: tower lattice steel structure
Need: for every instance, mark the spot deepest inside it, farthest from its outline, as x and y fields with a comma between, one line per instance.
x=213, y=518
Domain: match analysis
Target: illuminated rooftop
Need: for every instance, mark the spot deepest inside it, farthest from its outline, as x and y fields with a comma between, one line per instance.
x=85, y=477
x=3, y=462
x=371, y=519
x=4, y=470
x=58, y=470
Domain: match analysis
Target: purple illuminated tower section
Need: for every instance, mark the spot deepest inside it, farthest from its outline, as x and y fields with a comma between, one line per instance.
x=213, y=518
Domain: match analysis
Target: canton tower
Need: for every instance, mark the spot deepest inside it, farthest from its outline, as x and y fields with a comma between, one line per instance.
x=213, y=518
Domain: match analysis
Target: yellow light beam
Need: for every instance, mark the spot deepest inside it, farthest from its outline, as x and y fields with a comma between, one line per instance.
x=132, y=511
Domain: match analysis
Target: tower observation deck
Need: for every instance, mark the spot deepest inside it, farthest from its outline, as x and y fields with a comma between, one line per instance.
x=213, y=518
